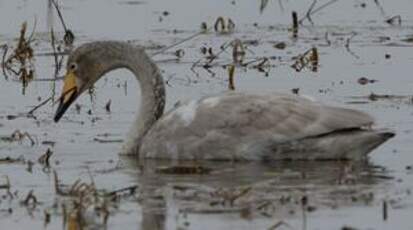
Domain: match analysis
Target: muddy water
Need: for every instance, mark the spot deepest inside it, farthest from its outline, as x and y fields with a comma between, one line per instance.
x=338, y=194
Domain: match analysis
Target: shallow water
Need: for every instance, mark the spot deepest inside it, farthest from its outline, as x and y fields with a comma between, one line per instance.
x=339, y=194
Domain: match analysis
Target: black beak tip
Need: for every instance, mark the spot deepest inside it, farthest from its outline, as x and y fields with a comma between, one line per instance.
x=60, y=111
x=57, y=118
x=63, y=106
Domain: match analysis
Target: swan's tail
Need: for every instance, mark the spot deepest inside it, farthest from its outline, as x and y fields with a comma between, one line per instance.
x=354, y=144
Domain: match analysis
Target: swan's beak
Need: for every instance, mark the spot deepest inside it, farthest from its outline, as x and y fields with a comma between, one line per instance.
x=69, y=94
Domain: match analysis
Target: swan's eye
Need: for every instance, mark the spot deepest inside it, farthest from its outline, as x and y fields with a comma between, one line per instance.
x=73, y=66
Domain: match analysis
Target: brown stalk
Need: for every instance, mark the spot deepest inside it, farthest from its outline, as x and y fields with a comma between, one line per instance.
x=295, y=24
x=44, y=159
x=219, y=25
x=231, y=71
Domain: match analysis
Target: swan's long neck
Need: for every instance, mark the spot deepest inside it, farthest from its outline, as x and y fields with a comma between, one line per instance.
x=152, y=100
x=152, y=90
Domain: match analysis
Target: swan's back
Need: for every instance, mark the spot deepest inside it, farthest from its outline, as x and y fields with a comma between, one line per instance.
x=237, y=126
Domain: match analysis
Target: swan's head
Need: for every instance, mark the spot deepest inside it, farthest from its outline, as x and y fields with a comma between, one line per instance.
x=84, y=67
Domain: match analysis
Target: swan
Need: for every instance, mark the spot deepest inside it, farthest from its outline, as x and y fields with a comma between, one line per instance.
x=232, y=126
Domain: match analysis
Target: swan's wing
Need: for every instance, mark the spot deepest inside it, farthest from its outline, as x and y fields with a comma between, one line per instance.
x=285, y=115
x=235, y=118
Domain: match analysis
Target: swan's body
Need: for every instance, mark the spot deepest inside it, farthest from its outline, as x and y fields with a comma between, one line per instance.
x=232, y=126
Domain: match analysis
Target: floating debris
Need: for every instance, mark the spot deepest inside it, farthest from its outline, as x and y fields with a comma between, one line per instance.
x=375, y=97
x=179, y=53
x=123, y=192
x=307, y=59
x=51, y=143
x=30, y=200
x=204, y=27
x=183, y=170
x=45, y=158
x=107, y=106
x=107, y=140
x=261, y=66
x=231, y=195
x=364, y=81
x=18, y=136
x=395, y=20
x=348, y=228
x=10, y=160
x=295, y=91
x=280, y=45
x=224, y=28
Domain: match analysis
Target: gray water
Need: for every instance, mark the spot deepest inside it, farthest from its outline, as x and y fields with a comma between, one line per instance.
x=339, y=194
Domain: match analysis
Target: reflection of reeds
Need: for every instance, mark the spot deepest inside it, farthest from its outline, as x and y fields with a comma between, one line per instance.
x=263, y=5
x=107, y=106
x=347, y=45
x=86, y=199
x=314, y=59
x=231, y=71
x=238, y=51
x=385, y=215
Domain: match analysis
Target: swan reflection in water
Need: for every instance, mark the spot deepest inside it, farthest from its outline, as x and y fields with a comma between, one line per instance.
x=231, y=193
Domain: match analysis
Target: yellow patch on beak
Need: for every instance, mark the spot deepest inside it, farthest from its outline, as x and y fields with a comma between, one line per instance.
x=69, y=87
x=69, y=94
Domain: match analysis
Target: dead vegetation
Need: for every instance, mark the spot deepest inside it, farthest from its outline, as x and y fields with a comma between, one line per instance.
x=86, y=201
x=19, y=62
x=10, y=160
x=45, y=158
x=68, y=37
x=294, y=27
x=224, y=27
x=19, y=136
x=183, y=169
x=309, y=59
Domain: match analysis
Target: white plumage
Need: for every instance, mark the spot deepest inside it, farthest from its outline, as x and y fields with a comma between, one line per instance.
x=232, y=126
